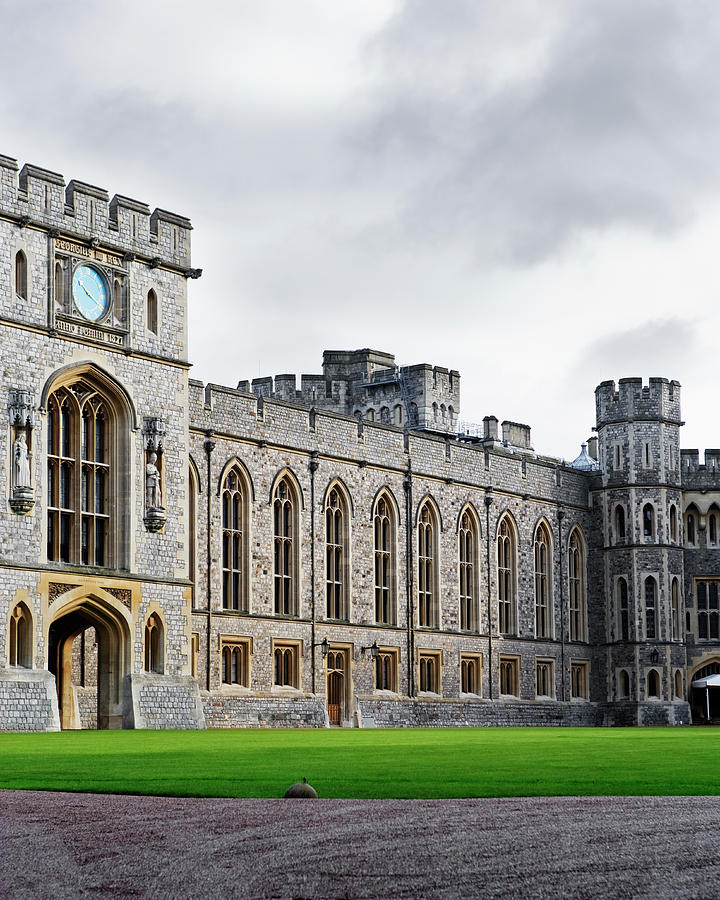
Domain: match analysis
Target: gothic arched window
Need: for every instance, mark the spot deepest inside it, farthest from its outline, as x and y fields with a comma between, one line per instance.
x=650, y=608
x=86, y=474
x=673, y=523
x=675, y=608
x=384, y=534
x=336, y=555
x=152, y=311
x=427, y=568
x=576, y=575
x=21, y=279
x=235, y=506
x=286, y=561
x=619, y=523
x=20, y=637
x=623, y=609
x=543, y=582
x=506, y=571
x=154, y=645
x=648, y=521
x=467, y=565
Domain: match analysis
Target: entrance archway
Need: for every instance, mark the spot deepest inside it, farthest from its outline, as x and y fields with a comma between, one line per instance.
x=705, y=693
x=89, y=655
x=336, y=685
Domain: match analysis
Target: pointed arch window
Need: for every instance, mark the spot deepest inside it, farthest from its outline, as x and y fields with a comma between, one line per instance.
x=83, y=475
x=21, y=275
x=59, y=286
x=673, y=523
x=154, y=645
x=648, y=521
x=152, y=311
x=336, y=555
x=385, y=542
x=624, y=611
x=235, y=541
x=576, y=575
x=467, y=564
x=20, y=637
x=286, y=562
x=623, y=684
x=650, y=608
x=507, y=572
x=619, y=523
x=690, y=527
x=543, y=582
x=675, y=608
x=192, y=528
x=427, y=568
x=653, y=684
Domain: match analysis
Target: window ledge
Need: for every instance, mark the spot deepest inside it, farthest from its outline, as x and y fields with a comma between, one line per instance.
x=429, y=695
x=286, y=690
x=237, y=690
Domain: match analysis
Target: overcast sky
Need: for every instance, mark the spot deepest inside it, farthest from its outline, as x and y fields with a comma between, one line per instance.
x=524, y=190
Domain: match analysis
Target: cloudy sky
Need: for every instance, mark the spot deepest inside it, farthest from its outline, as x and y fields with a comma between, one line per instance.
x=525, y=190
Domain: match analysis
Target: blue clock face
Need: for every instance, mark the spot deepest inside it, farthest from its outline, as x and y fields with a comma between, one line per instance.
x=89, y=292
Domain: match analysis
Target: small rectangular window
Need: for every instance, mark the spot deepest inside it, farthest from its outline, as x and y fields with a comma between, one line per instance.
x=646, y=455
x=545, y=678
x=617, y=457
x=430, y=680
x=510, y=676
x=470, y=674
x=194, y=654
x=386, y=669
x=579, y=680
x=235, y=655
x=286, y=663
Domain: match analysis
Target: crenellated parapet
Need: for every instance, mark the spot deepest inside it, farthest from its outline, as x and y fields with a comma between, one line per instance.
x=631, y=401
x=367, y=384
x=40, y=198
x=700, y=476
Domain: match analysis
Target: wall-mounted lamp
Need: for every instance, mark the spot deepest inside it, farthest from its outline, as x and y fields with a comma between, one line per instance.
x=324, y=647
x=654, y=656
x=373, y=648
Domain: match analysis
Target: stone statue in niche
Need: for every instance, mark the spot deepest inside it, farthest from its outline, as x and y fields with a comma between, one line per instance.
x=21, y=461
x=152, y=483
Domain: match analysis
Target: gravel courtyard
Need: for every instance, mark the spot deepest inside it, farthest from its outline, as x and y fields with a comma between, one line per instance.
x=77, y=845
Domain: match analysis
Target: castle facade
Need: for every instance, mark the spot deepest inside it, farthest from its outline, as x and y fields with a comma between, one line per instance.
x=180, y=555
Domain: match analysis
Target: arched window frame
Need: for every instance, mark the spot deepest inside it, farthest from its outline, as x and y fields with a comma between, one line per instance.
x=619, y=527
x=712, y=526
x=468, y=569
x=691, y=524
x=650, y=597
x=675, y=609
x=152, y=312
x=286, y=552
x=337, y=553
x=21, y=275
x=648, y=522
x=385, y=519
x=193, y=494
x=673, y=523
x=77, y=468
x=653, y=684
x=678, y=684
x=577, y=585
x=506, y=544
x=20, y=637
x=542, y=559
x=235, y=497
x=428, y=547
x=154, y=644
x=623, y=603
x=623, y=684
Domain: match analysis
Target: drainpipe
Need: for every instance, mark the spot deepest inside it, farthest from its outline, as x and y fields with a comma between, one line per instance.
x=313, y=467
x=561, y=516
x=407, y=484
x=209, y=447
x=488, y=504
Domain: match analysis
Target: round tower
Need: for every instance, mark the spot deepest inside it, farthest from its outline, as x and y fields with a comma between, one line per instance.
x=638, y=499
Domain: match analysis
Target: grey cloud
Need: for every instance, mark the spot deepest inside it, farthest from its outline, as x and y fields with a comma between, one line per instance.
x=612, y=121
x=656, y=347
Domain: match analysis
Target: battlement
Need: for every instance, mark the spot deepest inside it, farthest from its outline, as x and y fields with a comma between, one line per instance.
x=633, y=401
x=368, y=384
x=39, y=198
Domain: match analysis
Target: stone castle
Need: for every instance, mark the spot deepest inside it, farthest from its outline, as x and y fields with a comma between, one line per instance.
x=180, y=555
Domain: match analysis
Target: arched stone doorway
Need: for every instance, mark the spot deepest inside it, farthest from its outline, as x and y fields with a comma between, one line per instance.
x=89, y=654
x=337, y=667
x=705, y=693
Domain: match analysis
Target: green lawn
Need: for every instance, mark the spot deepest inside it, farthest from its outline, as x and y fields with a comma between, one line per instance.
x=420, y=763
